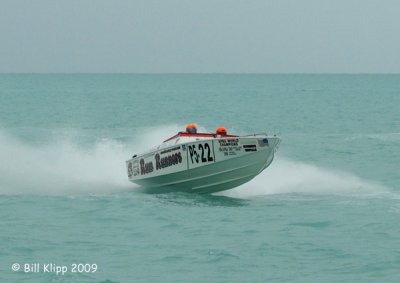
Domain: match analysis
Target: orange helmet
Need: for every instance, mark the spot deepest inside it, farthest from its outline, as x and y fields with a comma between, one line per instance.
x=221, y=131
x=191, y=128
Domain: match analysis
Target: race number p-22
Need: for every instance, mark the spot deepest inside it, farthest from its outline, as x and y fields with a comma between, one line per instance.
x=200, y=153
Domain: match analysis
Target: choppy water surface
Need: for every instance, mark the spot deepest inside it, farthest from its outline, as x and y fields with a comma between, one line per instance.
x=326, y=210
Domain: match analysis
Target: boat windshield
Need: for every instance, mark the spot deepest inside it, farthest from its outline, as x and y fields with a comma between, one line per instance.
x=197, y=135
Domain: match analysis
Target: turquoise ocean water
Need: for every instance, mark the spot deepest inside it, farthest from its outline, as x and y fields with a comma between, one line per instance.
x=326, y=210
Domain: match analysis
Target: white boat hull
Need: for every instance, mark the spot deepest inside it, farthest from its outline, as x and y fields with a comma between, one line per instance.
x=204, y=166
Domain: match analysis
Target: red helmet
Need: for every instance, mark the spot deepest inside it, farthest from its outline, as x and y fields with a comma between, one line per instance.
x=221, y=131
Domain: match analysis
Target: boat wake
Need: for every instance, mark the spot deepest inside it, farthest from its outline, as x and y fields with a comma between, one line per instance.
x=61, y=168
x=64, y=167
x=288, y=176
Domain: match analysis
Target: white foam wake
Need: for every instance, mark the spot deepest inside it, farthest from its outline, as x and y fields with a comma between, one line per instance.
x=60, y=168
x=287, y=176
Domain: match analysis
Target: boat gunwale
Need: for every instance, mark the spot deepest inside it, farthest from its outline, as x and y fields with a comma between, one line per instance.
x=211, y=135
x=173, y=145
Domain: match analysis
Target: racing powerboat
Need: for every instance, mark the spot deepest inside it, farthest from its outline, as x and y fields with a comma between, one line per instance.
x=203, y=162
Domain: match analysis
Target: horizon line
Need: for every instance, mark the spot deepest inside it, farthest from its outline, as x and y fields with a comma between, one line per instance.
x=196, y=73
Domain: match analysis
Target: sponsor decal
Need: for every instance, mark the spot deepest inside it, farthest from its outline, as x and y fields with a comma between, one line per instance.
x=228, y=142
x=160, y=162
x=167, y=161
x=230, y=150
x=130, y=170
x=250, y=147
x=170, y=150
x=263, y=142
x=135, y=168
x=146, y=167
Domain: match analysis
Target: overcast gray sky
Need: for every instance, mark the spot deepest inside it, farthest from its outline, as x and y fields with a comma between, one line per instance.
x=200, y=36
